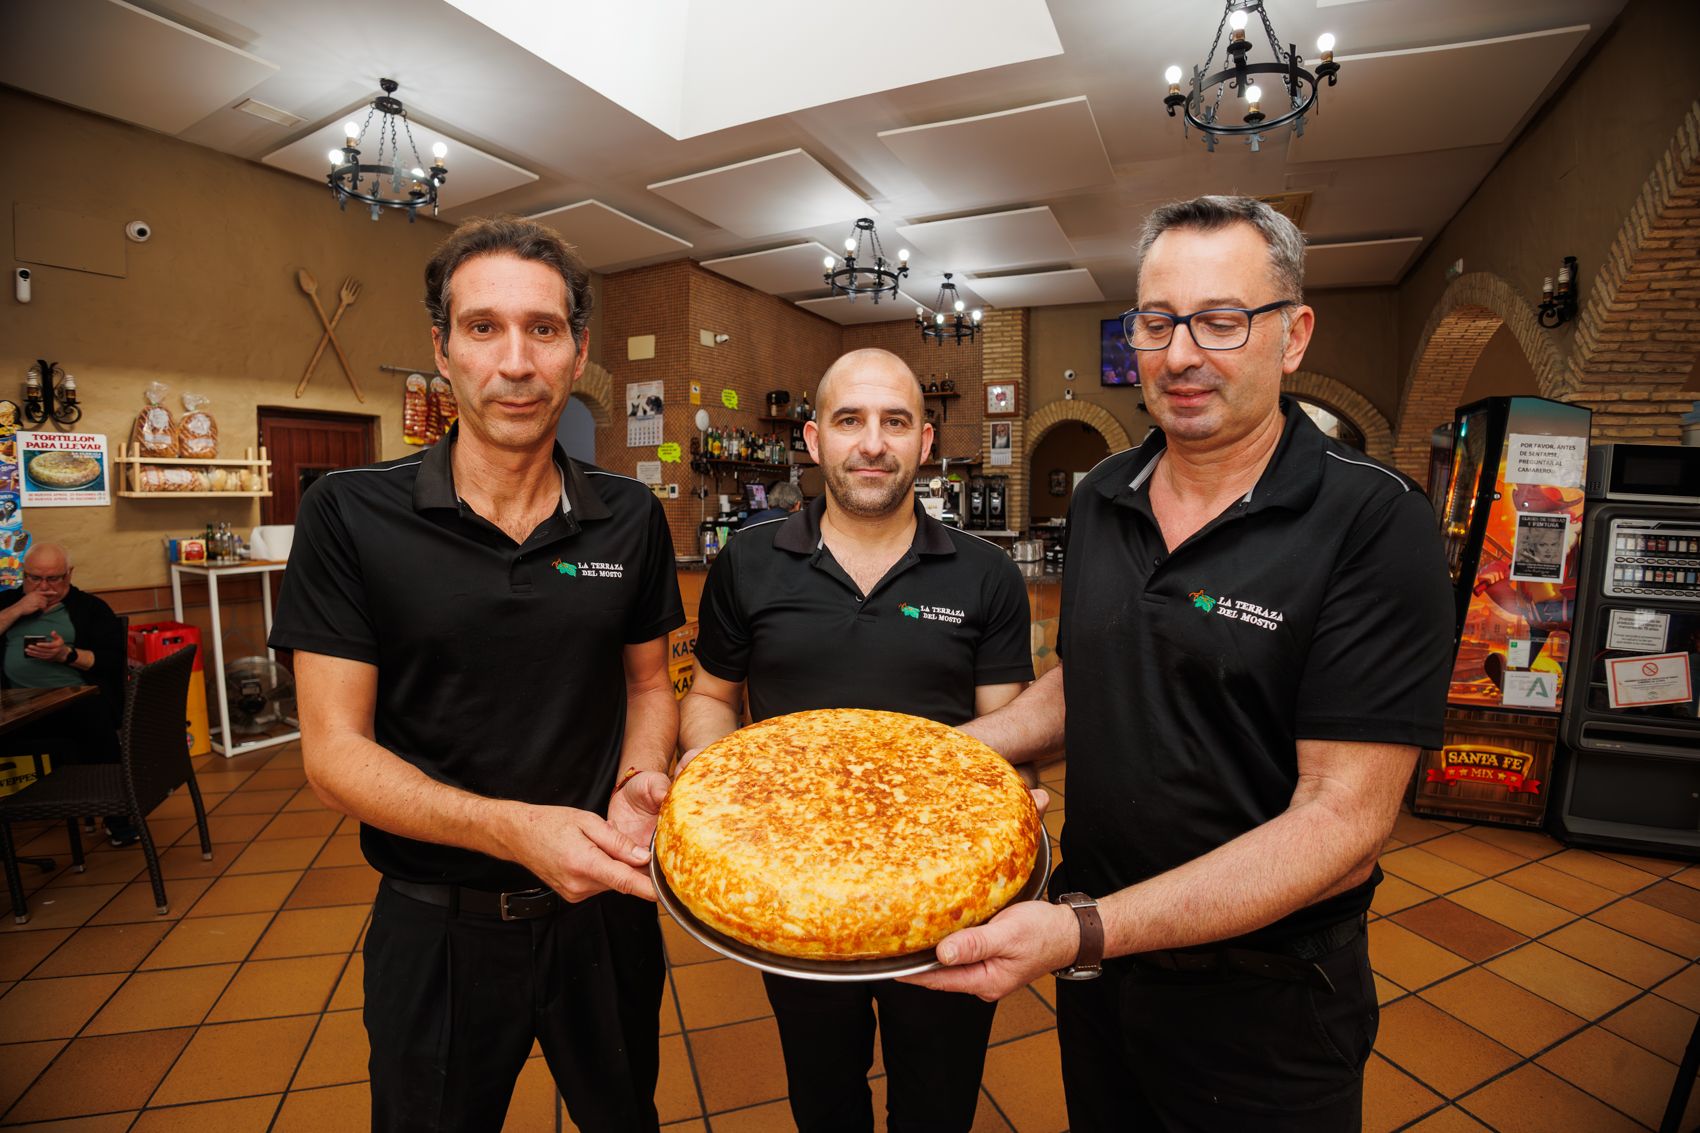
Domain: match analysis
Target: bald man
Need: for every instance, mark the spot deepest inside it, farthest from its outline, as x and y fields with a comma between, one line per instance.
x=921, y=618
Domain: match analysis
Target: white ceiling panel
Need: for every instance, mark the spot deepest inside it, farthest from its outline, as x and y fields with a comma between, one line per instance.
x=842, y=309
x=782, y=192
x=607, y=237
x=1359, y=263
x=777, y=271
x=1017, y=238
x=1040, y=289
x=473, y=174
x=1012, y=155
x=1433, y=98
x=129, y=64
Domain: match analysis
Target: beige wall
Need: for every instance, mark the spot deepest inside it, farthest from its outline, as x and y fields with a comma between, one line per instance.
x=1502, y=371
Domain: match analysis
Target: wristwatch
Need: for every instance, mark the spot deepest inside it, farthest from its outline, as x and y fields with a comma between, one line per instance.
x=1089, y=961
x=71, y=657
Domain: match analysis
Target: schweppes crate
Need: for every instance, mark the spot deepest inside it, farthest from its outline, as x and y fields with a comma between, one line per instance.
x=19, y=771
x=682, y=644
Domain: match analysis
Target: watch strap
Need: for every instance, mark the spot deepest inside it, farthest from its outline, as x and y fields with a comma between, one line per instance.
x=1088, y=961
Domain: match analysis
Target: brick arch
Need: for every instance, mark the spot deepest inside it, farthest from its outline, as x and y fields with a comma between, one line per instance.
x=1354, y=406
x=1048, y=417
x=595, y=388
x=1469, y=311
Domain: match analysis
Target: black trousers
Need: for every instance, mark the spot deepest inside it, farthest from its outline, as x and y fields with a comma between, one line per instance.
x=933, y=1042
x=453, y=1002
x=1218, y=1052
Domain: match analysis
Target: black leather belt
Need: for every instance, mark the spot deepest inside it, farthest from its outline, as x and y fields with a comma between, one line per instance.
x=1293, y=959
x=520, y=905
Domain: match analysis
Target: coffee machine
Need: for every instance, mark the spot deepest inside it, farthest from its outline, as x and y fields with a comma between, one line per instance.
x=997, y=497
x=976, y=503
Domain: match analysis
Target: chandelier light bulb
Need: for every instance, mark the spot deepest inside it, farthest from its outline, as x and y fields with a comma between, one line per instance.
x=1236, y=21
x=939, y=318
x=849, y=243
x=335, y=156
x=976, y=314
x=920, y=311
x=903, y=255
x=830, y=262
x=1254, y=94
x=351, y=130
x=1172, y=76
x=961, y=306
x=1325, y=43
x=439, y=151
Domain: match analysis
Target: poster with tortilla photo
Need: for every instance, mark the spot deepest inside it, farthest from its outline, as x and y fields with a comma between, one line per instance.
x=64, y=470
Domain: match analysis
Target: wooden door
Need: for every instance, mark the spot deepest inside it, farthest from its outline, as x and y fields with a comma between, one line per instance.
x=304, y=446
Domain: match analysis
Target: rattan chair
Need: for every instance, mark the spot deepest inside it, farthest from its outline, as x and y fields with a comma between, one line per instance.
x=154, y=762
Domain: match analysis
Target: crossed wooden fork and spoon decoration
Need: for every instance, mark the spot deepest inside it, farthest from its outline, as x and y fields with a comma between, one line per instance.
x=349, y=293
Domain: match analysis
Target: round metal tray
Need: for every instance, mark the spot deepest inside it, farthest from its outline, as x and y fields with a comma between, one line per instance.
x=834, y=971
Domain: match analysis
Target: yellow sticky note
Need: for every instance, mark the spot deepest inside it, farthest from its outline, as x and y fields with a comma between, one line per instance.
x=669, y=452
x=729, y=398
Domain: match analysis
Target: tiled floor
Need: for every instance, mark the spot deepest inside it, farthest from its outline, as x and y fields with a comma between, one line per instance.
x=1525, y=987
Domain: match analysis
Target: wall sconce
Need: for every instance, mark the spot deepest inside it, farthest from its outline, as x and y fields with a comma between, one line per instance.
x=1558, y=307
x=49, y=392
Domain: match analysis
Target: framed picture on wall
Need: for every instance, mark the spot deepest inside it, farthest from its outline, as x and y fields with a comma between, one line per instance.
x=1000, y=400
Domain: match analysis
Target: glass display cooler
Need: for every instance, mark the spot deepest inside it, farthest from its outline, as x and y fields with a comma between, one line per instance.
x=1511, y=518
x=1629, y=774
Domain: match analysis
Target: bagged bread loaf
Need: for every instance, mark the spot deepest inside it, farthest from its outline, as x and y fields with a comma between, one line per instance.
x=153, y=433
x=415, y=411
x=444, y=411
x=156, y=479
x=197, y=432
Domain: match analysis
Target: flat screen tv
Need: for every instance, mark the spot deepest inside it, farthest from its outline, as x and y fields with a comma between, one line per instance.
x=1118, y=363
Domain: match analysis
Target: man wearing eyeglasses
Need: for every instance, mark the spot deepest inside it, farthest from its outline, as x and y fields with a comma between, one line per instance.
x=53, y=635
x=1255, y=634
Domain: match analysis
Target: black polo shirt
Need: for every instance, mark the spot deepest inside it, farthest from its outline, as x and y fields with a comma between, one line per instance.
x=1317, y=607
x=499, y=664
x=780, y=612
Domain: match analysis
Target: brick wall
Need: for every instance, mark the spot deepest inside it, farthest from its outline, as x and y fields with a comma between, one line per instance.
x=1003, y=359
x=957, y=422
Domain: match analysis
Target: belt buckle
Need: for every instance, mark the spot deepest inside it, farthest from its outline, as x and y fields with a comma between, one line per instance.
x=523, y=908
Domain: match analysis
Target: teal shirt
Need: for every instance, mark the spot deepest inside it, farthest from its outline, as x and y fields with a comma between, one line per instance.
x=27, y=672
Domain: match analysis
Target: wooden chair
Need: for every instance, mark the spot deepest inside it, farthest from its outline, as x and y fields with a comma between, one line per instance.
x=154, y=762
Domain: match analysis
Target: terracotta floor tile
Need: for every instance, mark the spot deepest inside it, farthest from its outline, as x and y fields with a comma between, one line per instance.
x=1503, y=1011
x=95, y=1123
x=1689, y=876
x=1022, y=1013
x=311, y=932
x=184, y=860
x=1653, y=1023
x=1611, y=951
x=987, y=1118
x=19, y=1065
x=22, y=951
x=276, y=779
x=171, y=997
x=1680, y=900
x=1683, y=988
x=1556, y=887
x=337, y=1053
x=1614, y=1070
x=1655, y=926
x=1474, y=854
x=278, y=854
x=1600, y=870
x=239, y=1115
x=208, y=940
x=117, y=868
x=1660, y=867
x=69, y=907
x=676, y=1091
x=351, y=992
x=336, y=1109
x=1419, y=867
x=1024, y=1078
x=254, y=802
x=1438, y=1050
x=1530, y=844
x=1386, y=990
x=1457, y=929
x=104, y=948
x=135, y=903
x=180, y=805
x=101, y=1074
x=1392, y=1098
x=53, y=1009
x=344, y=849
x=1395, y=893
x=774, y=1117
x=534, y=1100
x=1532, y=1101
x=300, y=824
x=1448, y=1120
x=230, y=828
x=264, y=989
x=683, y=948
x=722, y=992
x=305, y=800
x=288, y=755
x=233, y=1060
x=739, y=1065
x=1407, y=959
x=251, y=893
x=345, y=885
x=1513, y=908
x=1410, y=829
x=1571, y=984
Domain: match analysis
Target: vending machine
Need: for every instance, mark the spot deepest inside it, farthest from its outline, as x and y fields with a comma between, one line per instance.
x=1629, y=774
x=1512, y=525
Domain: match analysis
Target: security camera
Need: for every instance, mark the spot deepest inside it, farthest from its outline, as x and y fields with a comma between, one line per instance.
x=1068, y=375
x=138, y=231
x=21, y=277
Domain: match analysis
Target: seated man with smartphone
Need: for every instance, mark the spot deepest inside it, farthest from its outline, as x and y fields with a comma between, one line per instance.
x=53, y=635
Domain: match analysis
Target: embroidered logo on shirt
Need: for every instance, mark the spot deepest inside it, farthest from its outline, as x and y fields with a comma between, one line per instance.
x=1202, y=600
x=931, y=613
x=590, y=569
x=1234, y=609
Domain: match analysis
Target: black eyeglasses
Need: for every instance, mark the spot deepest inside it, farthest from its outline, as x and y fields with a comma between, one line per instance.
x=46, y=579
x=1219, y=328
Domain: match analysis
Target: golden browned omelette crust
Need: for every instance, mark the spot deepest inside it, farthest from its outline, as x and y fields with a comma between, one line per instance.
x=846, y=834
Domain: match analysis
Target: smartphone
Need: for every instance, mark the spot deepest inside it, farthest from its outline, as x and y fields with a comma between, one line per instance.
x=37, y=639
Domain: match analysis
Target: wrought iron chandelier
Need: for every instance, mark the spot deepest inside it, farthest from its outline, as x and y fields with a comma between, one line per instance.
x=855, y=276
x=1295, y=89
x=385, y=184
x=963, y=324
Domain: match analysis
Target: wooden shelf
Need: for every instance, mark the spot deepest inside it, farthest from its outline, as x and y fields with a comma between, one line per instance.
x=714, y=462
x=131, y=464
x=783, y=420
x=165, y=495
x=940, y=396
